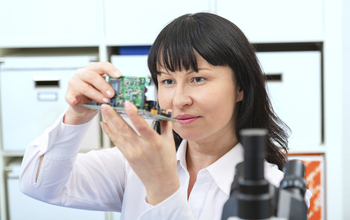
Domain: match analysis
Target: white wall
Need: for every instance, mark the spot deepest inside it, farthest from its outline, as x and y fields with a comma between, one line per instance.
x=346, y=107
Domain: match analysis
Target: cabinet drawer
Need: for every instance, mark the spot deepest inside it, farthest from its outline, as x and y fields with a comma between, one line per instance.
x=295, y=93
x=31, y=101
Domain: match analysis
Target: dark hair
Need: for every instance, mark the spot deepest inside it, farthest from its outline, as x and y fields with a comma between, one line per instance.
x=222, y=43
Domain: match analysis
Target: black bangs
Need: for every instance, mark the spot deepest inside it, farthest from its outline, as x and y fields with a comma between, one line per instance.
x=173, y=49
x=176, y=44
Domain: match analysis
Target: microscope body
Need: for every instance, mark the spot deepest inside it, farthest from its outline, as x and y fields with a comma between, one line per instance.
x=253, y=197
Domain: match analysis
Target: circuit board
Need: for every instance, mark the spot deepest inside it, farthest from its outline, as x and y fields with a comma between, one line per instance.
x=144, y=113
x=132, y=89
x=128, y=88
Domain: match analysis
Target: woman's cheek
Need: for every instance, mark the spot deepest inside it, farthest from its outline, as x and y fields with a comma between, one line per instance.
x=164, y=99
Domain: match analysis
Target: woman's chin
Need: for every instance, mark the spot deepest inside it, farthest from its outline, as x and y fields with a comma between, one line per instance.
x=193, y=136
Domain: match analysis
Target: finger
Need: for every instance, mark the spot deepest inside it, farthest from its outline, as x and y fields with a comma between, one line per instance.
x=166, y=129
x=113, y=133
x=105, y=68
x=70, y=98
x=116, y=139
x=109, y=133
x=78, y=88
x=116, y=123
x=128, y=146
x=145, y=131
x=91, y=77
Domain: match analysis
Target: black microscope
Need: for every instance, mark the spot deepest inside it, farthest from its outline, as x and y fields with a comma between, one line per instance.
x=253, y=197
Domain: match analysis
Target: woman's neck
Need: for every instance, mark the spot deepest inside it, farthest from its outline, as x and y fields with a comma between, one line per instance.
x=200, y=155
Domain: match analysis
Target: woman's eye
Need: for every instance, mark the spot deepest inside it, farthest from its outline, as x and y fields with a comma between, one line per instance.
x=198, y=79
x=168, y=82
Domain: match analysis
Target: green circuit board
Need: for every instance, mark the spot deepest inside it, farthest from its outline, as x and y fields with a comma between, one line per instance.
x=128, y=88
x=132, y=89
x=144, y=113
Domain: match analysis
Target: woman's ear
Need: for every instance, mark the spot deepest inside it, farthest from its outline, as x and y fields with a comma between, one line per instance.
x=239, y=96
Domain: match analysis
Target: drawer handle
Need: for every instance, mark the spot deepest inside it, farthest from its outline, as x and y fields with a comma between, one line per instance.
x=44, y=82
x=47, y=96
x=273, y=77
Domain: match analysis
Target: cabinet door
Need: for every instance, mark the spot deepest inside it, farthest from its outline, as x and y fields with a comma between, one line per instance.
x=296, y=94
x=48, y=23
x=138, y=22
x=275, y=20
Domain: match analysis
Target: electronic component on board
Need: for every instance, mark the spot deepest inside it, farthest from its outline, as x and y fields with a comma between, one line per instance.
x=132, y=89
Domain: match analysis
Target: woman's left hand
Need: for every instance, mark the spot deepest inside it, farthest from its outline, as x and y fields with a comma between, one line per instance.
x=151, y=156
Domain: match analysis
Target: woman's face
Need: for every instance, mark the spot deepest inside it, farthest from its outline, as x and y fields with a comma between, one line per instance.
x=203, y=102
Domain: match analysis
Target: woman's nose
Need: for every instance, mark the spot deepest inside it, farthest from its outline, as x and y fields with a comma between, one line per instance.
x=182, y=97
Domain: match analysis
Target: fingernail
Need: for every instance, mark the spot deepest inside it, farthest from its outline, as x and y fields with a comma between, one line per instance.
x=73, y=101
x=126, y=104
x=103, y=108
x=117, y=74
x=110, y=93
x=105, y=100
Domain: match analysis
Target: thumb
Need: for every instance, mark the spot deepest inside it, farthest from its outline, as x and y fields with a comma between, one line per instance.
x=166, y=129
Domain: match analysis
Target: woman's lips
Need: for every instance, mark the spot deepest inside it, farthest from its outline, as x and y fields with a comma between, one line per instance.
x=186, y=119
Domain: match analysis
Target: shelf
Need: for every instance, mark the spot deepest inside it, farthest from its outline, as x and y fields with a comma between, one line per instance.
x=309, y=150
x=12, y=153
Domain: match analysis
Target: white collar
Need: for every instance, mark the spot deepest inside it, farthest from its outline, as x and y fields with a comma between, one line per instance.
x=222, y=170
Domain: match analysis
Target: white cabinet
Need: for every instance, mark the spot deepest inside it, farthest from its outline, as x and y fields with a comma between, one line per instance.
x=138, y=22
x=33, y=96
x=276, y=20
x=48, y=23
x=296, y=94
x=22, y=207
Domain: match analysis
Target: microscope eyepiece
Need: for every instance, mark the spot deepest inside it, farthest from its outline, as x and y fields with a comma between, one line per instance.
x=294, y=180
x=254, y=189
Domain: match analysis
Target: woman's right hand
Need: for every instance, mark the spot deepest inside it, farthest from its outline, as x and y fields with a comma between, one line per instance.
x=88, y=85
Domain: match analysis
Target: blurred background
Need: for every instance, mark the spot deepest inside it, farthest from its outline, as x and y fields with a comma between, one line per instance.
x=303, y=47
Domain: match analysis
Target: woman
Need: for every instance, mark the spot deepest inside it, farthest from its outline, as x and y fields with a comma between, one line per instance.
x=207, y=74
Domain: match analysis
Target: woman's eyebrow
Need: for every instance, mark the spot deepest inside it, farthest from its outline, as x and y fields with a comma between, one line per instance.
x=163, y=72
x=192, y=71
x=187, y=73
